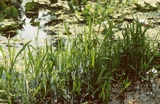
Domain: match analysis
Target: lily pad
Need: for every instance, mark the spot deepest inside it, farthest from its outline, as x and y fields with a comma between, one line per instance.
x=32, y=9
x=11, y=12
x=32, y=6
x=3, y=6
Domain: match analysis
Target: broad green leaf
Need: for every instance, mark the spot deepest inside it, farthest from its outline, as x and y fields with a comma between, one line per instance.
x=32, y=6
x=3, y=6
x=11, y=11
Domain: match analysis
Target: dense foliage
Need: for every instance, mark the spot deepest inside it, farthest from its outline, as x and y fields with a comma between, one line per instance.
x=83, y=69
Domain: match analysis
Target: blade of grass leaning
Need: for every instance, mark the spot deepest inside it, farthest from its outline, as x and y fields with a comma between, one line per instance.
x=4, y=56
x=21, y=50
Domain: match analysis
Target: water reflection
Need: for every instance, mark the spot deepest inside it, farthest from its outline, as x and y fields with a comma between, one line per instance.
x=34, y=33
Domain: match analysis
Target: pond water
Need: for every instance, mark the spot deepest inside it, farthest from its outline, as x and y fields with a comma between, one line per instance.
x=34, y=33
x=47, y=22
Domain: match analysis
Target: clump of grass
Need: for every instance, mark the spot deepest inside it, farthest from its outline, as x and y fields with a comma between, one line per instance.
x=83, y=70
x=136, y=54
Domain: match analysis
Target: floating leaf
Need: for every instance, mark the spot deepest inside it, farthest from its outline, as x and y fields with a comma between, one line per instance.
x=3, y=6
x=11, y=11
x=139, y=7
x=32, y=9
x=32, y=6
x=146, y=8
x=150, y=7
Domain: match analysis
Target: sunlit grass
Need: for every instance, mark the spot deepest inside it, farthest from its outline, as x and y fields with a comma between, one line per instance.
x=77, y=72
x=83, y=69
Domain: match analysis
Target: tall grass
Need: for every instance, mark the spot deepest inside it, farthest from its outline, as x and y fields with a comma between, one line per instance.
x=83, y=70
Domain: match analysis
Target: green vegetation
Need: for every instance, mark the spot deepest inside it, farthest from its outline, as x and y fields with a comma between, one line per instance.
x=8, y=11
x=84, y=69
